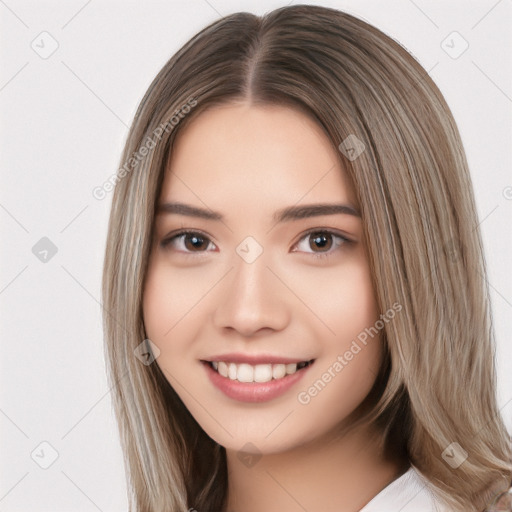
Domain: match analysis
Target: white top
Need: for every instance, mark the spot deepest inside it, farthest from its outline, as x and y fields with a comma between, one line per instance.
x=408, y=493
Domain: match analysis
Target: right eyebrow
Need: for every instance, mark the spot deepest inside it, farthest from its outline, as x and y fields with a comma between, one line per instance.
x=188, y=210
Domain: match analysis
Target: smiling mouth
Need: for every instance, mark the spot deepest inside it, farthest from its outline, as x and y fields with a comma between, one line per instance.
x=244, y=372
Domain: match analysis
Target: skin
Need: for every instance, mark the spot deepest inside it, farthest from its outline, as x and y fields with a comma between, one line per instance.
x=246, y=162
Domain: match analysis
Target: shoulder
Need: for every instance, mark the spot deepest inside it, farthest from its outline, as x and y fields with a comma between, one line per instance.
x=408, y=493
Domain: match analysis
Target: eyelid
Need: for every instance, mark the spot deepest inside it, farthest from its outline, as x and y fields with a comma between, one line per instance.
x=329, y=231
x=324, y=255
x=174, y=235
x=185, y=231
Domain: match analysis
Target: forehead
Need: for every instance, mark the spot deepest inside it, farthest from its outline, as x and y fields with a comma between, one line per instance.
x=249, y=157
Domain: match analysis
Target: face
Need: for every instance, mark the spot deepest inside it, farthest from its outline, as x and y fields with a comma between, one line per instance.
x=238, y=291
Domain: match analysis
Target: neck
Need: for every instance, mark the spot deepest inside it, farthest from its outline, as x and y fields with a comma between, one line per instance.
x=330, y=474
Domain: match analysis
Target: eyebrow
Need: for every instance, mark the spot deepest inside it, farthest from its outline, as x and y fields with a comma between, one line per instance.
x=286, y=214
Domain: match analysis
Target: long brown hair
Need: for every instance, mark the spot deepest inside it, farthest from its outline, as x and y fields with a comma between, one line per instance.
x=438, y=384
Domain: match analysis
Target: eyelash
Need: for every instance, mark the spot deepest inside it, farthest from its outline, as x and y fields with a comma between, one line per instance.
x=165, y=244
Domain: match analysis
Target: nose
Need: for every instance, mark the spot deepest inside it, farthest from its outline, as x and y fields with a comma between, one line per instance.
x=252, y=299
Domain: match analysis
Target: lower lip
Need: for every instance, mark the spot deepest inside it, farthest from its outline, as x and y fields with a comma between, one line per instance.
x=254, y=391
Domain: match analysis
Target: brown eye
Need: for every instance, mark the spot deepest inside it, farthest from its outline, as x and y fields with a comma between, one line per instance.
x=187, y=242
x=321, y=243
x=321, y=240
x=193, y=242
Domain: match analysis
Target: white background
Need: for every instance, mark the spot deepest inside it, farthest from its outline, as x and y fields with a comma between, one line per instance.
x=63, y=124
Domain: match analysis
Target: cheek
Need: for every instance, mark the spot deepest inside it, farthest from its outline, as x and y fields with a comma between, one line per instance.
x=162, y=309
x=357, y=306
x=169, y=298
x=357, y=334
x=342, y=298
x=154, y=306
x=174, y=310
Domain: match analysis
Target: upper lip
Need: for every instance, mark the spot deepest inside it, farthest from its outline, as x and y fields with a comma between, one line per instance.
x=255, y=359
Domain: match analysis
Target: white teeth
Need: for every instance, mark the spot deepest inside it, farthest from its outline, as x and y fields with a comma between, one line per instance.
x=278, y=371
x=223, y=369
x=262, y=372
x=232, y=371
x=245, y=372
x=258, y=373
x=291, y=368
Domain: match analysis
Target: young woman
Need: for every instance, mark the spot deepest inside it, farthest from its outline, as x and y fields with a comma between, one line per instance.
x=297, y=312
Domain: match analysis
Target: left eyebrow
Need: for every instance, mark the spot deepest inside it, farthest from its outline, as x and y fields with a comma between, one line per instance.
x=314, y=210
x=289, y=213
